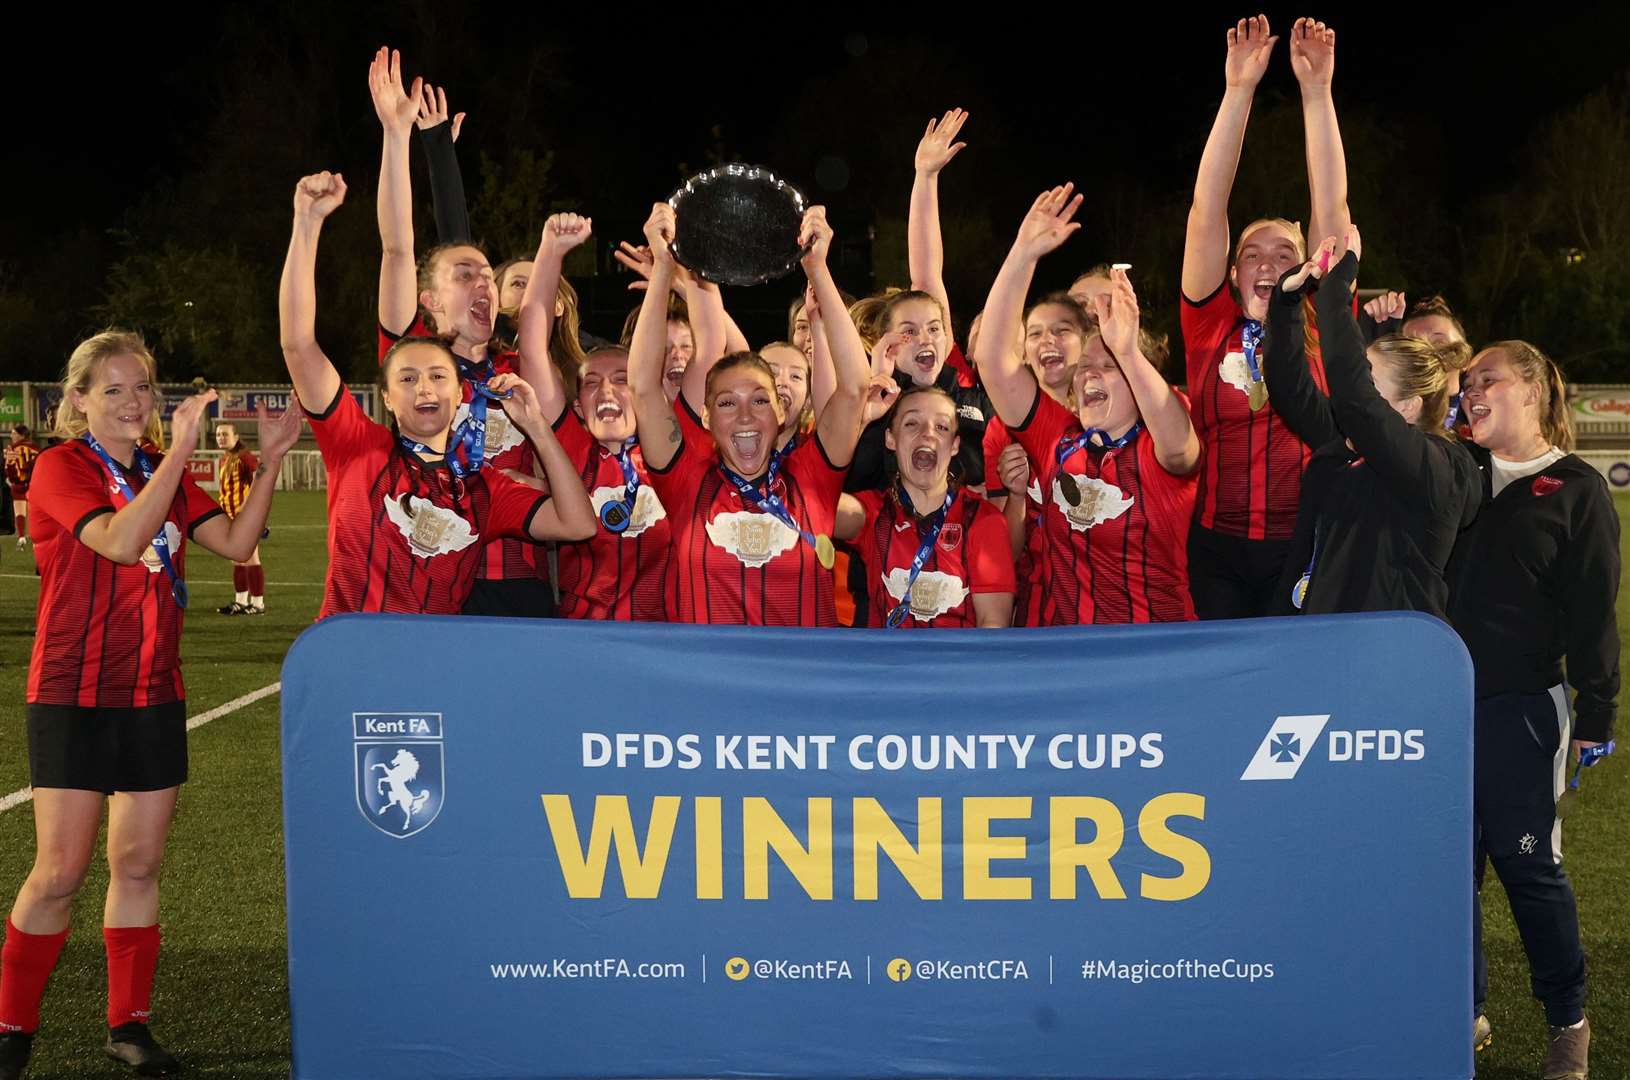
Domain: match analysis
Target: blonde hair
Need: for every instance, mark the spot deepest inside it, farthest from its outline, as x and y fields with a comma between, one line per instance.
x=1537, y=369
x=84, y=363
x=1292, y=227
x=867, y=314
x=1417, y=371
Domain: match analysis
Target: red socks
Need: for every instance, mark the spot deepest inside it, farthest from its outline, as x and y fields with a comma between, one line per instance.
x=132, y=957
x=25, y=965
x=257, y=579
x=240, y=578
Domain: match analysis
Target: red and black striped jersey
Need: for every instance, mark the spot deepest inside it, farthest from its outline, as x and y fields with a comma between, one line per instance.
x=734, y=563
x=506, y=448
x=235, y=475
x=19, y=459
x=405, y=534
x=613, y=575
x=1250, y=476
x=1027, y=595
x=971, y=556
x=1121, y=554
x=107, y=635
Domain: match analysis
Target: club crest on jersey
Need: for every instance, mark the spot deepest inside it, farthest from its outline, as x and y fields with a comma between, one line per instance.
x=501, y=434
x=933, y=594
x=950, y=536
x=753, y=538
x=430, y=529
x=400, y=781
x=1100, y=502
x=1235, y=372
x=172, y=537
x=648, y=508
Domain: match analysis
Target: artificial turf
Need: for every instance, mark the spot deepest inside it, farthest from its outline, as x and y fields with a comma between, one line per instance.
x=221, y=1000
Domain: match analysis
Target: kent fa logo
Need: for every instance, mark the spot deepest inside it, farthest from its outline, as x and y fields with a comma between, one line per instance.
x=400, y=783
x=1286, y=745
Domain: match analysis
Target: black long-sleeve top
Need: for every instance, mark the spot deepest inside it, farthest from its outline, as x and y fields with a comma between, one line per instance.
x=1382, y=500
x=1534, y=581
x=446, y=184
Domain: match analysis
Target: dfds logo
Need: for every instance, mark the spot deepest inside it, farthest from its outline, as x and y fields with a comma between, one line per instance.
x=1291, y=740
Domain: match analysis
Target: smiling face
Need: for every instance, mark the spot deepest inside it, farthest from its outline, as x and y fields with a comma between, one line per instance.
x=603, y=401
x=513, y=285
x=681, y=347
x=422, y=390
x=1503, y=410
x=791, y=369
x=1053, y=340
x=1098, y=389
x=462, y=296
x=923, y=436
x=743, y=413
x=1266, y=251
x=926, y=344
x=119, y=400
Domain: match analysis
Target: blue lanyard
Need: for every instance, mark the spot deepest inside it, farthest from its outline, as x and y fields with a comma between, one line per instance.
x=1298, y=591
x=161, y=543
x=772, y=504
x=470, y=436
x=1454, y=412
x=1250, y=336
x=898, y=614
x=1095, y=437
x=615, y=516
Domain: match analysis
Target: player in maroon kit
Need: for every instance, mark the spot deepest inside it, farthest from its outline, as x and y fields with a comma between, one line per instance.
x=20, y=454
x=106, y=705
x=936, y=554
x=406, y=514
x=1250, y=482
x=751, y=527
x=620, y=572
x=1116, y=471
x=235, y=475
x=454, y=296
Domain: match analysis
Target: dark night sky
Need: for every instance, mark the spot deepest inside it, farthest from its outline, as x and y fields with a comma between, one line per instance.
x=121, y=102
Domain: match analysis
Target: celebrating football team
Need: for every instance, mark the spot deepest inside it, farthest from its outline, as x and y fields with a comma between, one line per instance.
x=871, y=471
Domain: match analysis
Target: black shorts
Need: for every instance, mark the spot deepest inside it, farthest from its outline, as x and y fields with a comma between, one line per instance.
x=107, y=750
x=516, y=598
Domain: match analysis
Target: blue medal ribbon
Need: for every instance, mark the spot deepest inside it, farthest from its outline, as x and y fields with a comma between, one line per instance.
x=774, y=505
x=1453, y=415
x=161, y=543
x=1250, y=336
x=616, y=516
x=1298, y=591
x=470, y=436
x=1088, y=438
x=898, y=614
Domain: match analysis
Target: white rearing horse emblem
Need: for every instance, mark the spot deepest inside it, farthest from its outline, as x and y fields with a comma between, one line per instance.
x=403, y=767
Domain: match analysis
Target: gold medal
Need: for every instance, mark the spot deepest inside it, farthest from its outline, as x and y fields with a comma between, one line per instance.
x=824, y=550
x=1298, y=592
x=1071, y=490
x=1257, y=395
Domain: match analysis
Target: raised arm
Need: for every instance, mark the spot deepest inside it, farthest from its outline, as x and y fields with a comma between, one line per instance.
x=657, y=426
x=1382, y=315
x=397, y=111
x=1205, y=245
x=124, y=535
x=437, y=134
x=235, y=538
x=315, y=380
x=561, y=233
x=1009, y=383
x=839, y=424
x=924, y=246
x=1165, y=417
x=1296, y=397
x=823, y=378
x=1313, y=58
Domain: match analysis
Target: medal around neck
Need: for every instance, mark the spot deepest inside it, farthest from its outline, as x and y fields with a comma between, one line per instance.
x=1257, y=396
x=737, y=224
x=1071, y=490
x=615, y=517
x=1298, y=592
x=824, y=551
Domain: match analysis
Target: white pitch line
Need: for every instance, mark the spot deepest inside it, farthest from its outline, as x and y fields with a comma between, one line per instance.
x=195, y=581
x=17, y=798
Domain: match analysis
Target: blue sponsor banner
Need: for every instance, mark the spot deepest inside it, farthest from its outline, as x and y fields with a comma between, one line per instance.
x=1220, y=851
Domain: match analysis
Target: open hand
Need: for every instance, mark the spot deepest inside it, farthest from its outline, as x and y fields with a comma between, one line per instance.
x=1312, y=52
x=433, y=110
x=398, y=110
x=881, y=394
x=1047, y=225
x=186, y=421
x=1250, y=44
x=936, y=149
x=1117, y=313
x=276, y=436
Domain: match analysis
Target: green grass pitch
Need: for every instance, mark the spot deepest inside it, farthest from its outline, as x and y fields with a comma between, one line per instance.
x=222, y=993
